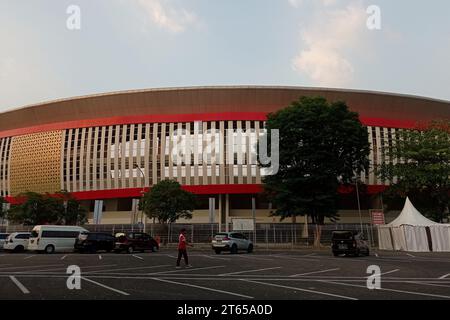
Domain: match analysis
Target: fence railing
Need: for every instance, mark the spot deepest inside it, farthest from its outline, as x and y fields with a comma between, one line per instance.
x=265, y=233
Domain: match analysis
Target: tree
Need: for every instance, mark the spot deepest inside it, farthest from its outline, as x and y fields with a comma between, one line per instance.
x=168, y=202
x=73, y=212
x=2, y=210
x=422, y=171
x=321, y=146
x=36, y=209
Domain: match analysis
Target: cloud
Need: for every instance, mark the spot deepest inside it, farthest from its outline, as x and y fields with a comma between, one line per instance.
x=326, y=44
x=299, y=3
x=295, y=3
x=165, y=16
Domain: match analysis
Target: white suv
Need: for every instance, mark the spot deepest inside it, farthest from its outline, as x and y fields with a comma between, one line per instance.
x=17, y=242
x=231, y=241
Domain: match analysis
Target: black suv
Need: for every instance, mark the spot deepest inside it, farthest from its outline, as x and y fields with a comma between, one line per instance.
x=94, y=241
x=135, y=241
x=349, y=243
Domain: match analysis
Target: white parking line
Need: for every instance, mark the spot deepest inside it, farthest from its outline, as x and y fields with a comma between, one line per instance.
x=388, y=272
x=24, y=267
x=391, y=290
x=298, y=258
x=105, y=286
x=191, y=269
x=29, y=257
x=216, y=258
x=124, y=269
x=63, y=257
x=253, y=257
x=19, y=285
x=248, y=271
x=204, y=288
x=376, y=254
x=100, y=257
x=429, y=284
x=315, y=272
x=300, y=289
x=137, y=257
x=444, y=276
x=410, y=255
x=171, y=256
x=65, y=268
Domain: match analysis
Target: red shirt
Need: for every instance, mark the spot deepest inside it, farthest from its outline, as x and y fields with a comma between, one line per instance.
x=181, y=242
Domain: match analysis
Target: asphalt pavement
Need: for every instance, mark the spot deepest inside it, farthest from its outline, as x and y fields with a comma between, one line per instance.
x=262, y=275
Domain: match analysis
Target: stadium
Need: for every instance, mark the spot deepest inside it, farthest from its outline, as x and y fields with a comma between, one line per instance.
x=108, y=149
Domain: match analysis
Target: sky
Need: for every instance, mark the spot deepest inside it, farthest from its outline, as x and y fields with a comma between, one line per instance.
x=138, y=44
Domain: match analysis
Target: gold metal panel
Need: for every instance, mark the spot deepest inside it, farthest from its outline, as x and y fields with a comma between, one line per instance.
x=35, y=162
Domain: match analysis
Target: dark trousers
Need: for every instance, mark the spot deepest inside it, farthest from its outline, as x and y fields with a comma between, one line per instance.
x=182, y=253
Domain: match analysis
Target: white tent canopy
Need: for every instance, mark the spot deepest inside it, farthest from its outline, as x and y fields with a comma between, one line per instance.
x=411, y=231
x=411, y=217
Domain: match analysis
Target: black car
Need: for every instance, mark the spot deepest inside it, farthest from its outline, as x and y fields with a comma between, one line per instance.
x=135, y=241
x=94, y=241
x=349, y=243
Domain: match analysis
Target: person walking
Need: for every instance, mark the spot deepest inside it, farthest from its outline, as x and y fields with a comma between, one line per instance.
x=182, y=249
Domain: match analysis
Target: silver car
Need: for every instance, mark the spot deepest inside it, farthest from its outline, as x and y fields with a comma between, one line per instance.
x=232, y=242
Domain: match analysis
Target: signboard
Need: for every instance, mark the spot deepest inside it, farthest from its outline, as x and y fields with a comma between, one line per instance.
x=243, y=225
x=378, y=217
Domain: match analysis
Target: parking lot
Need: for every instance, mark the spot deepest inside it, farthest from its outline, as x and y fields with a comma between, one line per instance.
x=263, y=275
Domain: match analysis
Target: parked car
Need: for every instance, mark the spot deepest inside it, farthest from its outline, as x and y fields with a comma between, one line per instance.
x=94, y=241
x=50, y=239
x=349, y=243
x=3, y=237
x=135, y=241
x=232, y=242
x=17, y=242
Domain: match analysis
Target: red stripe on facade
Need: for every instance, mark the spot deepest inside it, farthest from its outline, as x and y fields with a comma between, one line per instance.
x=200, y=190
x=165, y=118
x=391, y=123
x=168, y=118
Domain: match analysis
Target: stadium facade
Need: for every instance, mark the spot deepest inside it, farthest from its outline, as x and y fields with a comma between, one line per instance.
x=107, y=149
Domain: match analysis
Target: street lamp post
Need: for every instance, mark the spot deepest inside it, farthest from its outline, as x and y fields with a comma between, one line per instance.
x=142, y=196
x=359, y=205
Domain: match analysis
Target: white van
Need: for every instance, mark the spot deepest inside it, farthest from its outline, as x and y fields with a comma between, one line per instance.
x=50, y=239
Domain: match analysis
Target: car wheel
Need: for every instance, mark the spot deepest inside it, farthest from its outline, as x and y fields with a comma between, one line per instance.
x=250, y=248
x=218, y=251
x=93, y=249
x=368, y=253
x=19, y=249
x=335, y=254
x=234, y=249
x=130, y=249
x=49, y=249
x=357, y=253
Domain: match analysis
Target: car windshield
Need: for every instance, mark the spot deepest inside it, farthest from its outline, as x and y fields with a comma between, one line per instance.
x=83, y=235
x=221, y=235
x=34, y=234
x=343, y=235
x=121, y=238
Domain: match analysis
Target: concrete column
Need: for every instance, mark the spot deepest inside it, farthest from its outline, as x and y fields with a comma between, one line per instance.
x=227, y=211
